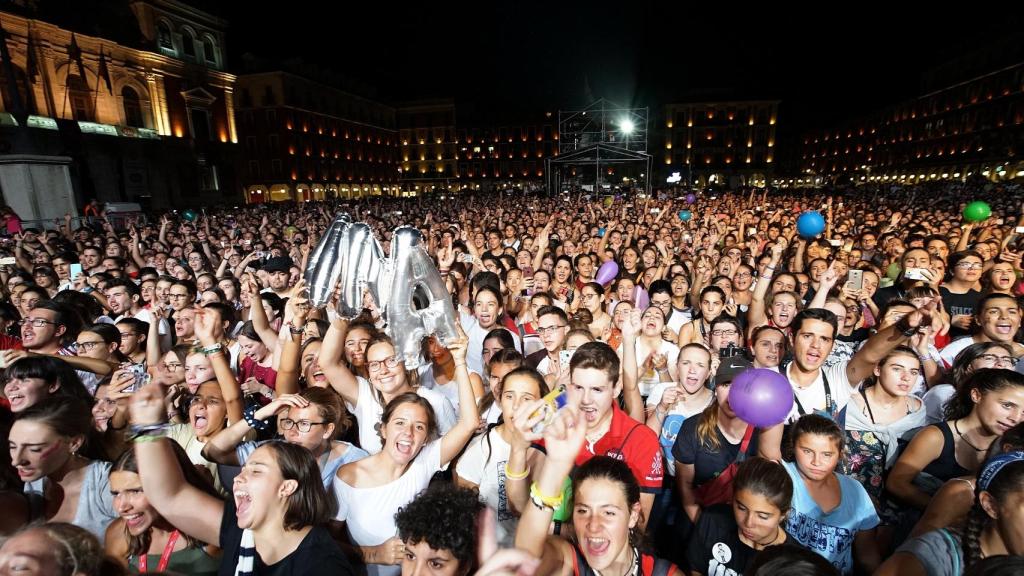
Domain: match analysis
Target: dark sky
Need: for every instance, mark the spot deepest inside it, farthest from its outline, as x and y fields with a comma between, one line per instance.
x=506, y=58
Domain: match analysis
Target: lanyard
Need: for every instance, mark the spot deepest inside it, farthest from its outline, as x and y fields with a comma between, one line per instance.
x=165, y=558
x=828, y=398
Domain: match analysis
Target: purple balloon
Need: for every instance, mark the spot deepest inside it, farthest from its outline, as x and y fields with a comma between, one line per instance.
x=761, y=397
x=642, y=298
x=691, y=198
x=607, y=272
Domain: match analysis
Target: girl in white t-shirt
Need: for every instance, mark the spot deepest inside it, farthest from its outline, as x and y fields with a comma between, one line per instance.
x=366, y=397
x=370, y=491
x=484, y=464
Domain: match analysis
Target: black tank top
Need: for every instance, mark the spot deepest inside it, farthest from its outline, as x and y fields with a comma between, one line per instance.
x=945, y=467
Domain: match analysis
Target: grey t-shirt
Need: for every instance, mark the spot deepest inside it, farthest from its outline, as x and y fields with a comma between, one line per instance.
x=95, y=503
x=938, y=551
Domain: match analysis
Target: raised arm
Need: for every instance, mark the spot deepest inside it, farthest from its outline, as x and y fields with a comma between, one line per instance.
x=332, y=362
x=153, y=350
x=630, y=369
x=208, y=333
x=455, y=440
x=258, y=315
x=186, y=507
x=756, y=315
x=563, y=439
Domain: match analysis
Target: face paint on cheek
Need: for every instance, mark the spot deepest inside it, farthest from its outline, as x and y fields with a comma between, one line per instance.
x=46, y=453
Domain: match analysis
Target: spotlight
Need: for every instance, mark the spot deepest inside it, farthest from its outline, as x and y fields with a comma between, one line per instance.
x=626, y=126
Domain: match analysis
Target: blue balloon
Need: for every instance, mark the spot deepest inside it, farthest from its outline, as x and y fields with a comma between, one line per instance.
x=685, y=215
x=600, y=231
x=810, y=224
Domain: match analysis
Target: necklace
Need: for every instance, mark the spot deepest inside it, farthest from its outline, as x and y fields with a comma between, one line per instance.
x=778, y=534
x=966, y=441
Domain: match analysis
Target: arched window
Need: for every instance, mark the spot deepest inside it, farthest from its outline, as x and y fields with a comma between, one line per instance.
x=132, y=108
x=80, y=98
x=188, y=44
x=163, y=34
x=209, y=50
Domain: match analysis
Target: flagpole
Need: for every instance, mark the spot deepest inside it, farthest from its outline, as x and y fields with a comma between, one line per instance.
x=96, y=96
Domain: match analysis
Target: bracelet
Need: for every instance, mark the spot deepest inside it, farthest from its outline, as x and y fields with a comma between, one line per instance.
x=157, y=430
x=209, y=350
x=151, y=438
x=250, y=418
x=294, y=330
x=509, y=475
x=541, y=501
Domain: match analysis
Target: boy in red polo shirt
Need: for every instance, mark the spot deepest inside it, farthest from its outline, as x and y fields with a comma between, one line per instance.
x=594, y=390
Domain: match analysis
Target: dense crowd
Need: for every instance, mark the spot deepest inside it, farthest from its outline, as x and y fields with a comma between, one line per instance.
x=174, y=403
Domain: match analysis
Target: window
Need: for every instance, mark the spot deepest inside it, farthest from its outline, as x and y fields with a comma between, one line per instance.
x=268, y=97
x=254, y=168
x=209, y=51
x=80, y=98
x=200, y=120
x=274, y=142
x=132, y=108
x=188, y=44
x=250, y=144
x=271, y=118
x=164, y=38
x=208, y=178
x=275, y=167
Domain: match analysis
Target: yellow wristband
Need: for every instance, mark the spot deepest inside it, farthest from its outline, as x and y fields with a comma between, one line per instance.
x=516, y=476
x=548, y=501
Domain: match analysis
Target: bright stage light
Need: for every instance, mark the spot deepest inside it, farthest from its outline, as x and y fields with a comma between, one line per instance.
x=626, y=126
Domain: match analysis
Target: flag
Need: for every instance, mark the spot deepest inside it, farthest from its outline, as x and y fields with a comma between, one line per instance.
x=104, y=73
x=31, y=67
x=75, y=54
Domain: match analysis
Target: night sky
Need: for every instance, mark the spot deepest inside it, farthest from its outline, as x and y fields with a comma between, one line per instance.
x=503, y=60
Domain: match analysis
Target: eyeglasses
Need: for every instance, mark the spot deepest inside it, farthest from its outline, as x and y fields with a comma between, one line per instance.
x=304, y=425
x=743, y=275
x=970, y=265
x=172, y=366
x=177, y=296
x=998, y=360
x=375, y=365
x=129, y=333
x=721, y=333
x=544, y=330
x=87, y=346
x=36, y=322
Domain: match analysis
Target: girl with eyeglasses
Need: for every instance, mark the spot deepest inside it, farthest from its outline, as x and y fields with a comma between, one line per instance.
x=388, y=378
x=313, y=419
x=960, y=294
x=371, y=490
x=970, y=359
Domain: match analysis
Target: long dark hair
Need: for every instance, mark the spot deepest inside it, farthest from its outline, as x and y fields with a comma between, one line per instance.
x=984, y=381
x=616, y=471
x=1007, y=481
x=51, y=371
x=310, y=504
x=525, y=372
x=139, y=545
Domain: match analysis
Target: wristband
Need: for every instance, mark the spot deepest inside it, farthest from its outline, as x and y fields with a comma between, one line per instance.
x=294, y=330
x=155, y=430
x=541, y=501
x=509, y=475
x=250, y=418
x=209, y=350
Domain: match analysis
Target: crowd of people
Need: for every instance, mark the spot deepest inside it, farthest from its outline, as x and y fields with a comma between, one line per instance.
x=173, y=403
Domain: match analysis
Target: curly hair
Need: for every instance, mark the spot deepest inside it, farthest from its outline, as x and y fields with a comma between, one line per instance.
x=446, y=517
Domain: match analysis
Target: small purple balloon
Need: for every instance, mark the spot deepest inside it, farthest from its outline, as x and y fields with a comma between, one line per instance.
x=761, y=397
x=607, y=272
x=642, y=298
x=691, y=198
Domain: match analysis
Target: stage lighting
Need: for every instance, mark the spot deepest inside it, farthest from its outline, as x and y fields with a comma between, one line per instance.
x=626, y=126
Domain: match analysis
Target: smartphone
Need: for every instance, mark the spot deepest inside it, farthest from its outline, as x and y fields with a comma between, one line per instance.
x=655, y=210
x=564, y=357
x=259, y=254
x=528, y=272
x=553, y=402
x=836, y=243
x=141, y=377
x=1019, y=229
x=467, y=258
x=855, y=279
x=8, y=261
x=76, y=269
x=751, y=231
x=915, y=274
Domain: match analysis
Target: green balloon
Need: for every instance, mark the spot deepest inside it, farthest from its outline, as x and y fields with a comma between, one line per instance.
x=189, y=215
x=977, y=211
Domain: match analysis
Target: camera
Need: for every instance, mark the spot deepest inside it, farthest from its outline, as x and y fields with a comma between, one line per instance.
x=730, y=351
